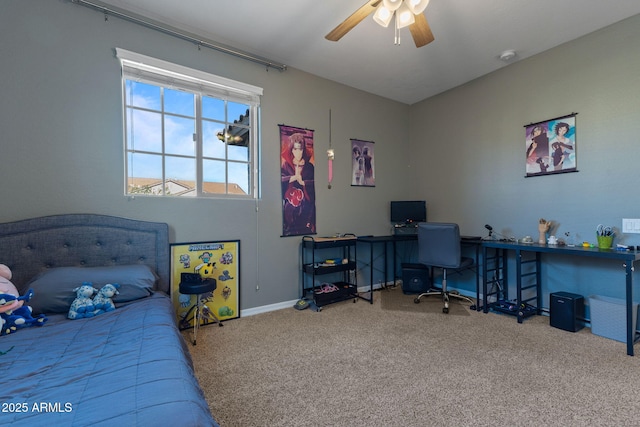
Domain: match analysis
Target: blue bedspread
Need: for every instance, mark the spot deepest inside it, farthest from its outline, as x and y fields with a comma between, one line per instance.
x=124, y=368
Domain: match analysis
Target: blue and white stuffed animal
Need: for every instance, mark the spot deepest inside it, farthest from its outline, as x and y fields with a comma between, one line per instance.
x=102, y=301
x=14, y=313
x=20, y=317
x=82, y=306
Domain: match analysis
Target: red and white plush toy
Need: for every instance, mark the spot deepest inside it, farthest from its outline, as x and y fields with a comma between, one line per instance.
x=8, y=292
x=13, y=313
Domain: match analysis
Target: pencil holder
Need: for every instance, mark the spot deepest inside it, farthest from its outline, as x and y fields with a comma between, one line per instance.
x=605, y=242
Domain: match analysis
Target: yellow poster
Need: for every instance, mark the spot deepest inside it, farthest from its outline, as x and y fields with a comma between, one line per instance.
x=209, y=260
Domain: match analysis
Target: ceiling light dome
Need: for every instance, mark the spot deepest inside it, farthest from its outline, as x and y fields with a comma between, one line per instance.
x=404, y=17
x=392, y=4
x=383, y=16
x=417, y=6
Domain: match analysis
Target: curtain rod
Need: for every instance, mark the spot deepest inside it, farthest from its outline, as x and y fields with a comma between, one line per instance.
x=173, y=32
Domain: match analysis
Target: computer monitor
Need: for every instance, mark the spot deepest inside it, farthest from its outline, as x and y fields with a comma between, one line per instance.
x=408, y=211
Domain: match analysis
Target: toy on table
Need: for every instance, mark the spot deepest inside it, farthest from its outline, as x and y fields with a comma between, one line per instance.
x=543, y=227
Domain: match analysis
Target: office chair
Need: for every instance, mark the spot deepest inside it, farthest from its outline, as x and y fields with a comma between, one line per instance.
x=439, y=246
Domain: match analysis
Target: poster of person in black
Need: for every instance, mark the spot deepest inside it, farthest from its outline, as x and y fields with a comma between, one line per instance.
x=363, y=164
x=562, y=147
x=298, y=182
x=538, y=150
x=551, y=146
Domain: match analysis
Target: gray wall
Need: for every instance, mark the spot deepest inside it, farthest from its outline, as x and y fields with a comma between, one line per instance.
x=462, y=151
x=62, y=140
x=468, y=150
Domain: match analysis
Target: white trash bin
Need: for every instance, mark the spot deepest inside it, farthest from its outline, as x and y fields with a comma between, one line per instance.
x=609, y=317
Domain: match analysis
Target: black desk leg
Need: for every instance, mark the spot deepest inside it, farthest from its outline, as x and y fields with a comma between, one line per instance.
x=371, y=268
x=385, y=265
x=395, y=271
x=631, y=333
x=485, y=299
x=539, y=282
x=478, y=308
x=519, y=283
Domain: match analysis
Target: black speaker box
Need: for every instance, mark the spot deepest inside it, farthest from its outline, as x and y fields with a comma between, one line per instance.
x=415, y=278
x=566, y=311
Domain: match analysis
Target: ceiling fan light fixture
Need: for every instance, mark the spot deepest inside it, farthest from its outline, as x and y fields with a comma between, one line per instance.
x=404, y=17
x=383, y=16
x=417, y=6
x=392, y=4
x=383, y=13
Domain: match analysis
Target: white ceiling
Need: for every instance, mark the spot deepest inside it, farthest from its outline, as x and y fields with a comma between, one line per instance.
x=469, y=36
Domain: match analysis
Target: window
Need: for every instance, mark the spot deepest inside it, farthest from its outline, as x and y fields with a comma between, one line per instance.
x=187, y=133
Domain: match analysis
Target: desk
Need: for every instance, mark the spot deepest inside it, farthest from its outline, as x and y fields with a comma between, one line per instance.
x=384, y=241
x=628, y=259
x=395, y=238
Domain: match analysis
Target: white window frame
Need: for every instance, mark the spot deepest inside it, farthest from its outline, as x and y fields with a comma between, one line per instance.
x=138, y=67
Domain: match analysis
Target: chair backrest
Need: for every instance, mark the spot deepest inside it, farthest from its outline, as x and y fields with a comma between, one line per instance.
x=439, y=244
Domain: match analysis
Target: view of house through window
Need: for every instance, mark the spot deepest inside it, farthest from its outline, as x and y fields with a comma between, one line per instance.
x=185, y=138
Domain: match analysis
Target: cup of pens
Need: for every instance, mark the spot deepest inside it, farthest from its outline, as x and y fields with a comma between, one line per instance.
x=604, y=235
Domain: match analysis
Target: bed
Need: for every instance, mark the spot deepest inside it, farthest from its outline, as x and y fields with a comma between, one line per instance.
x=129, y=366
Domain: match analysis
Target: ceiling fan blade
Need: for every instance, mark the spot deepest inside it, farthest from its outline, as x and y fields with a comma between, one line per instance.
x=353, y=20
x=420, y=31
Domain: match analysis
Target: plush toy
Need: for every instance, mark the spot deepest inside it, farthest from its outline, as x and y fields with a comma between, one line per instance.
x=8, y=292
x=82, y=306
x=13, y=313
x=102, y=301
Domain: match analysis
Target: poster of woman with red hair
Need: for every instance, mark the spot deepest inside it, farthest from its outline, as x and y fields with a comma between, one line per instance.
x=297, y=172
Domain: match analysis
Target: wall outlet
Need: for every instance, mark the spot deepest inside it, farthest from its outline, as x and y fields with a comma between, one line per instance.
x=630, y=225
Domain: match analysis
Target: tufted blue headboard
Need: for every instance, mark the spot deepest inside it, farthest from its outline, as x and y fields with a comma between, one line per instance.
x=31, y=246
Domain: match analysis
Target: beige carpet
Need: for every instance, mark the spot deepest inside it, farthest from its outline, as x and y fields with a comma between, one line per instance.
x=395, y=299
x=359, y=365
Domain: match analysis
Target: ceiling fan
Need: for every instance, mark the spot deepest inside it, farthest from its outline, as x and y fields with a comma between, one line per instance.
x=407, y=13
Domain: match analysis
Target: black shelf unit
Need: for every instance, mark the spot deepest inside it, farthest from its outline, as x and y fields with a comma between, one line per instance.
x=341, y=273
x=527, y=302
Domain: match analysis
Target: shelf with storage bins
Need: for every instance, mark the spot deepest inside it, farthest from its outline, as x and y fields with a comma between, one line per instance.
x=333, y=258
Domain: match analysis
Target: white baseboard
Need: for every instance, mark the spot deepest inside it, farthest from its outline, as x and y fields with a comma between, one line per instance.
x=267, y=308
x=289, y=304
x=376, y=286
